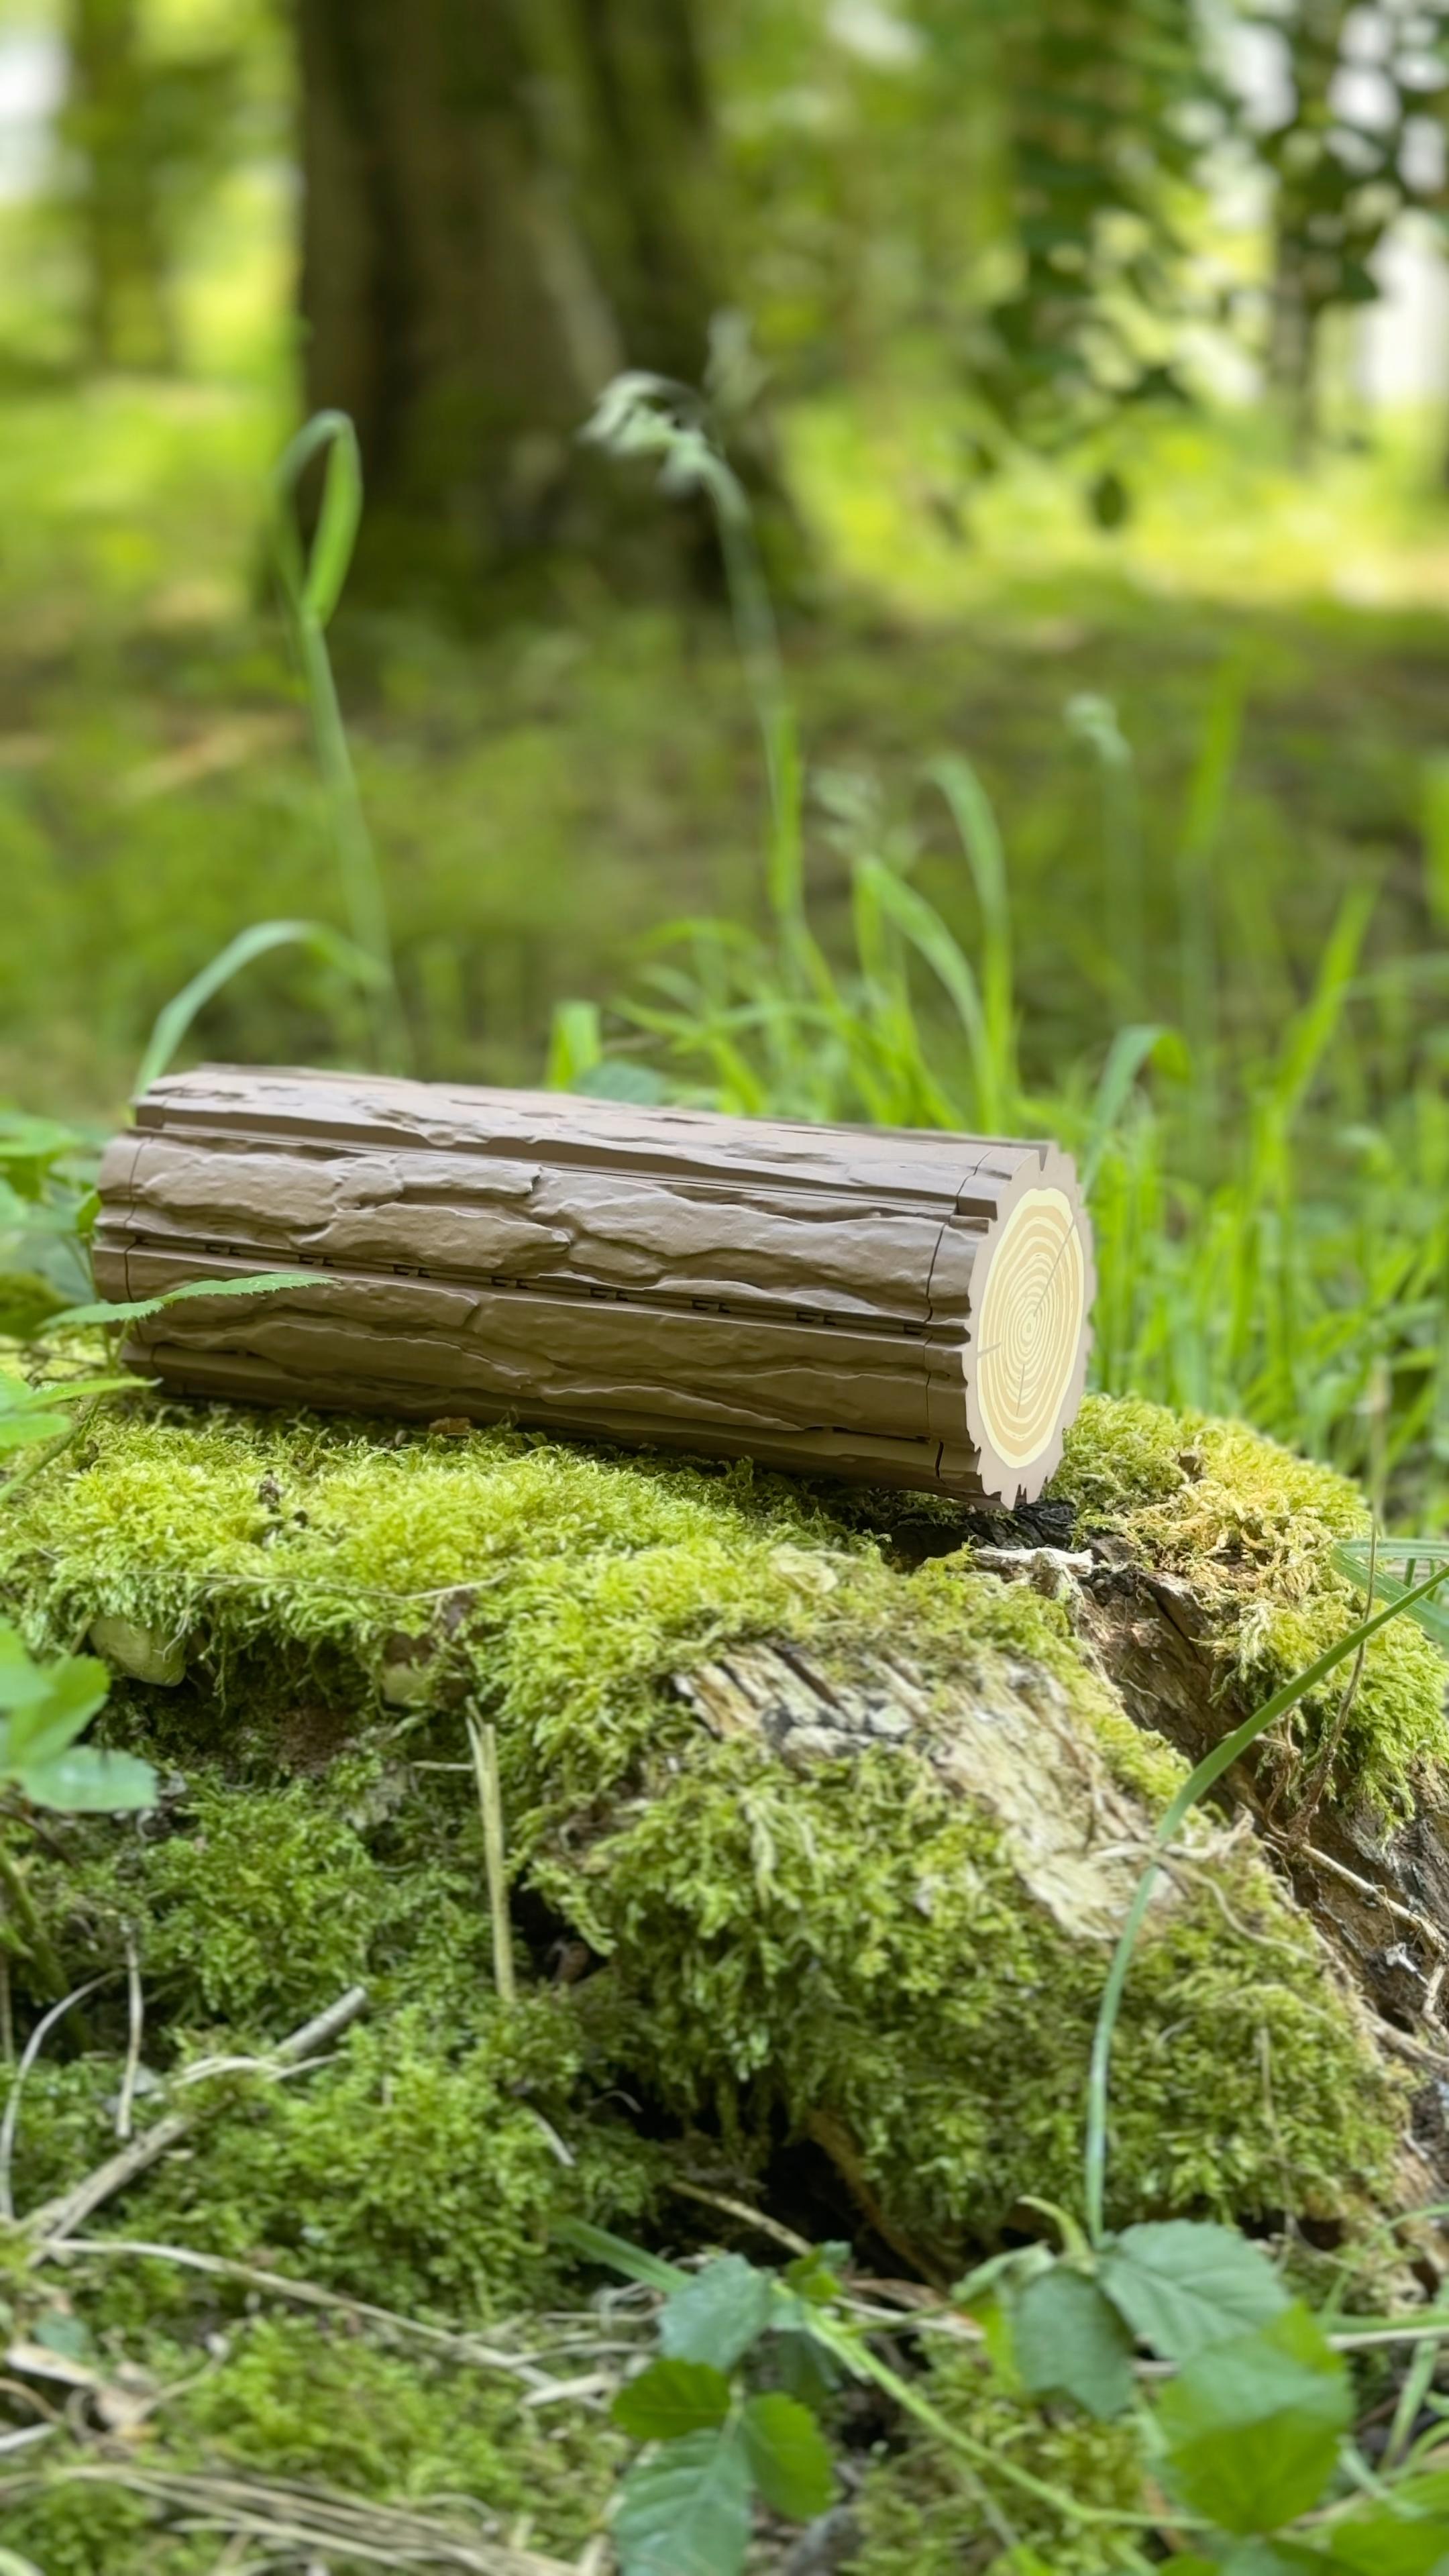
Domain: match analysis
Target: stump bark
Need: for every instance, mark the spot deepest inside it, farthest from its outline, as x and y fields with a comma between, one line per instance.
x=905, y=1308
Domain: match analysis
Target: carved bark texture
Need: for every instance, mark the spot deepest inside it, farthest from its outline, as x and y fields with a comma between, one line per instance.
x=904, y=1308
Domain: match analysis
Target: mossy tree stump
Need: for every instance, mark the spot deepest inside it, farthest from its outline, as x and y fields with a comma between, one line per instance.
x=821, y=1812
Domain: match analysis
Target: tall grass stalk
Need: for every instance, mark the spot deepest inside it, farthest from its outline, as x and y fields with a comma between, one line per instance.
x=1249, y=1260
x=1093, y=720
x=312, y=585
x=1208, y=1773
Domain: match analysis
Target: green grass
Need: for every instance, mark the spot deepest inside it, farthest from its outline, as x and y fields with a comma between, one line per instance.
x=1210, y=788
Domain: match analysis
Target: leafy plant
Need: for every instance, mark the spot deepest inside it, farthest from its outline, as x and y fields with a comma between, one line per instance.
x=44, y=1709
x=312, y=585
x=713, y=2442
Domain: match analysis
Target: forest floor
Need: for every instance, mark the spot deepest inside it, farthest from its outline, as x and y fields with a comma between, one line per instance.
x=817, y=1823
x=546, y=796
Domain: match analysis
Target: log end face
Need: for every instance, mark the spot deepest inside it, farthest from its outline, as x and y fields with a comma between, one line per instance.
x=1030, y=1336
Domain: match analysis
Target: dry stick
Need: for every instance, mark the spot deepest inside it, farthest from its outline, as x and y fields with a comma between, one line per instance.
x=484, y=1742
x=304, y=2294
x=1428, y=1932
x=136, y=2022
x=741, y=2209
x=61, y=2217
x=33, y=2047
x=302, y=2517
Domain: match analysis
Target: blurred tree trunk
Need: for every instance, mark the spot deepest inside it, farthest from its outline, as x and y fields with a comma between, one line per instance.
x=506, y=201
x=1307, y=257
x=128, y=322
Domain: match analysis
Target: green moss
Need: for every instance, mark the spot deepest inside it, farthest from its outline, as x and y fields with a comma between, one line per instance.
x=299, y=1558
x=1253, y=1530
x=854, y=1947
x=285, y=2398
x=851, y=1949
x=292, y=1556
x=916, y=2511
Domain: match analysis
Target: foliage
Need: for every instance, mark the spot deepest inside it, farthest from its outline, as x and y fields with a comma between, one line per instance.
x=1245, y=2428
x=1345, y=169
x=1246, y=2433
x=43, y=1709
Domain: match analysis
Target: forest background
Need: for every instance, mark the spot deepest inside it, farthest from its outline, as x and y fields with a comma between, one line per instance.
x=1087, y=365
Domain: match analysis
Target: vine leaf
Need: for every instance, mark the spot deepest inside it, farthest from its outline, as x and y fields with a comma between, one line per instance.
x=1068, y=2340
x=789, y=2456
x=686, y=2510
x=671, y=2399
x=1183, y=2286
x=718, y=2314
x=1252, y=2427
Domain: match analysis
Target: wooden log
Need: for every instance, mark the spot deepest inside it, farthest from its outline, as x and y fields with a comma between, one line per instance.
x=905, y=1308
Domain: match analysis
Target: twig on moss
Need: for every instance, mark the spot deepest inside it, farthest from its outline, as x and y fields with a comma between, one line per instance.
x=135, y=2025
x=62, y=2216
x=757, y=2219
x=282, y=2515
x=33, y=2047
x=484, y=1742
x=1420, y=1923
x=307, y=2294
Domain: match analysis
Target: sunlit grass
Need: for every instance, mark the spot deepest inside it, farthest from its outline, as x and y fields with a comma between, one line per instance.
x=1219, y=511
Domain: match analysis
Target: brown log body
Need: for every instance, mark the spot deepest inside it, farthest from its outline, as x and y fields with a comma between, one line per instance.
x=815, y=1297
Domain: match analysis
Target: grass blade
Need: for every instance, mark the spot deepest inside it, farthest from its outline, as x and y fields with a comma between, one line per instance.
x=172, y=1022
x=1208, y=1773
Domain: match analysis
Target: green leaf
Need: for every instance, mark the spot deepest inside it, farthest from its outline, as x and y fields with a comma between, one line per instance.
x=318, y=585
x=1386, y=2543
x=718, y=2314
x=27, y=1303
x=670, y=2399
x=28, y=1430
x=789, y=2456
x=816, y=2276
x=809, y=2373
x=619, y=2255
x=133, y=1310
x=1183, y=2287
x=23, y=1681
x=258, y=940
x=1252, y=2427
x=28, y=1146
x=1068, y=2341
x=69, y=1390
x=686, y=2510
x=43, y=1726
x=89, y=1782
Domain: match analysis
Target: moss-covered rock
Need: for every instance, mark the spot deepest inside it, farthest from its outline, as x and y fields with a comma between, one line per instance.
x=1252, y=1531
x=816, y=1850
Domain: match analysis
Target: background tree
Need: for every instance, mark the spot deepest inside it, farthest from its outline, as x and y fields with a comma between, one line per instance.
x=503, y=206
x=127, y=313
x=1359, y=144
x=151, y=119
